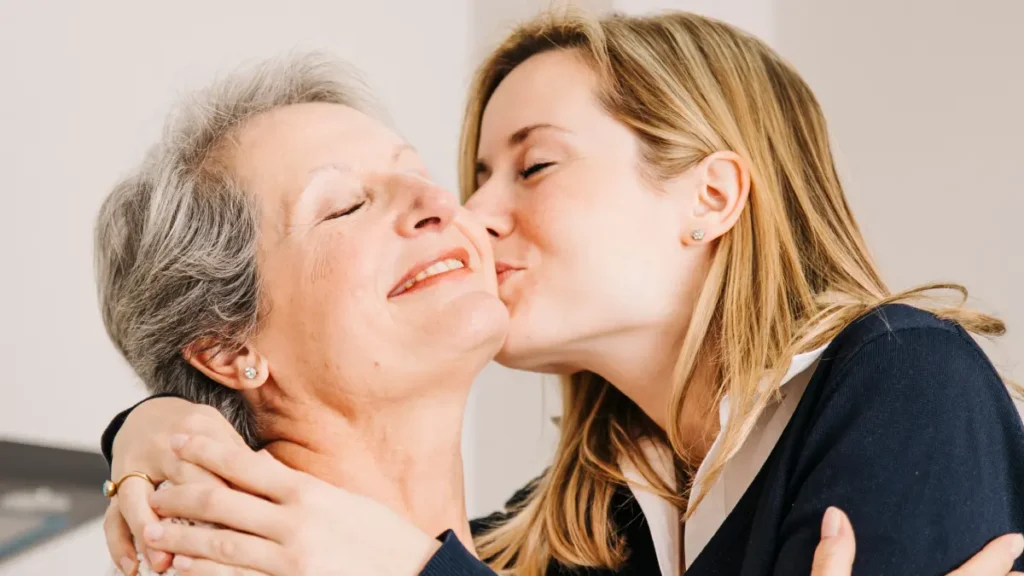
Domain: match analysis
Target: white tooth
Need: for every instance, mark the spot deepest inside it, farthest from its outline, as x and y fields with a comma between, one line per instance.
x=433, y=270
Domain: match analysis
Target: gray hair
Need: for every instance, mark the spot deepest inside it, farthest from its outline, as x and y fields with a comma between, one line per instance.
x=176, y=240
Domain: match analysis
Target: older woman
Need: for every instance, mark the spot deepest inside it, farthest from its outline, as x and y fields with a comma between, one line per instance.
x=283, y=258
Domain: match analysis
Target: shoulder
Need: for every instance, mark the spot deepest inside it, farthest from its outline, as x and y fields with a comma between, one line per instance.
x=903, y=364
x=907, y=427
x=892, y=322
x=905, y=347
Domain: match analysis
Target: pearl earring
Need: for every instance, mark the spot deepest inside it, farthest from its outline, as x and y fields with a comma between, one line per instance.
x=697, y=235
x=251, y=372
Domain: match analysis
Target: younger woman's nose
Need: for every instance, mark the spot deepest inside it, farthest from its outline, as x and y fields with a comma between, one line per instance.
x=490, y=210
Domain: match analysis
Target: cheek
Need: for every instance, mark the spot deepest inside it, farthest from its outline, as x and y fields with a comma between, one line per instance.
x=603, y=241
x=310, y=289
x=562, y=216
x=336, y=328
x=590, y=214
x=340, y=293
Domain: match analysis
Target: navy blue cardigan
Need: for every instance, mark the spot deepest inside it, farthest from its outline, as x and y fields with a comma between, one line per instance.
x=905, y=425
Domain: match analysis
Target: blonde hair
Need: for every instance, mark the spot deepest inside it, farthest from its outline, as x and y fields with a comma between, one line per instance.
x=791, y=274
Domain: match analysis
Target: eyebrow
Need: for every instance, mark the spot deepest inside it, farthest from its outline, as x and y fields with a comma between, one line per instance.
x=396, y=155
x=402, y=149
x=518, y=137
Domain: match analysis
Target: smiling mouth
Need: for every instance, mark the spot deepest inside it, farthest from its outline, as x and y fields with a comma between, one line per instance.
x=428, y=274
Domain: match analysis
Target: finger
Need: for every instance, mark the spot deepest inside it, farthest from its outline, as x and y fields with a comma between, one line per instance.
x=248, y=470
x=222, y=546
x=181, y=472
x=995, y=558
x=207, y=423
x=133, y=502
x=837, y=548
x=119, y=540
x=220, y=505
x=187, y=566
x=210, y=422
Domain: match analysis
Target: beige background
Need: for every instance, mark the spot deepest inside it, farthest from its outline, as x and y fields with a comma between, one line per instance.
x=923, y=98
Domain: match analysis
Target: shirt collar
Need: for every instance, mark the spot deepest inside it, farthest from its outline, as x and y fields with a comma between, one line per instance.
x=662, y=517
x=797, y=365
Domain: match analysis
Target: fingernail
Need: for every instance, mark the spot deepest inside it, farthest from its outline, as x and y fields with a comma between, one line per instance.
x=182, y=562
x=1017, y=547
x=153, y=531
x=178, y=440
x=830, y=524
x=127, y=566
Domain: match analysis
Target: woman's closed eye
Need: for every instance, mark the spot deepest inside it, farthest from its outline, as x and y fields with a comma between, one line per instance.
x=345, y=211
x=534, y=169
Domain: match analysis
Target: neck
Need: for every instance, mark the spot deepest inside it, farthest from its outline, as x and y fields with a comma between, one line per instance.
x=642, y=365
x=403, y=454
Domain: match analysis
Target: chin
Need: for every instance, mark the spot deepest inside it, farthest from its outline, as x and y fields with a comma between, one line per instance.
x=527, y=362
x=473, y=326
x=538, y=343
x=531, y=356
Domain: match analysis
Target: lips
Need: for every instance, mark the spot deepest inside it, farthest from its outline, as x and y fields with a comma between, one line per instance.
x=504, y=270
x=450, y=261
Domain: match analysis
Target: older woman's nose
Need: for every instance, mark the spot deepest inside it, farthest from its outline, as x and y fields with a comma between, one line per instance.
x=429, y=208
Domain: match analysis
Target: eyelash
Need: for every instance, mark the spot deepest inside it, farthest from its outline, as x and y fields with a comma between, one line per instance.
x=346, y=211
x=533, y=169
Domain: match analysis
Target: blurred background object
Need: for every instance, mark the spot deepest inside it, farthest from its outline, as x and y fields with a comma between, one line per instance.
x=921, y=95
x=46, y=492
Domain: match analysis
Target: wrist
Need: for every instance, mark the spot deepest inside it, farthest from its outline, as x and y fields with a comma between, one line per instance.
x=130, y=426
x=411, y=558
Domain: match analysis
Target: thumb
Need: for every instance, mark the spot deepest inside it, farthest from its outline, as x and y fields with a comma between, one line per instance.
x=835, y=552
x=996, y=558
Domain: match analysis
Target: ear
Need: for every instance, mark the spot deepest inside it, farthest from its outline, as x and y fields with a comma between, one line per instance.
x=231, y=369
x=723, y=187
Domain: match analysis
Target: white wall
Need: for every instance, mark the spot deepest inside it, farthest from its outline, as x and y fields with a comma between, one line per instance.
x=924, y=103
x=755, y=16
x=85, y=88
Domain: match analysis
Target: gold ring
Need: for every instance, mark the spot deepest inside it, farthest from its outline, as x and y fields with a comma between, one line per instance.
x=110, y=488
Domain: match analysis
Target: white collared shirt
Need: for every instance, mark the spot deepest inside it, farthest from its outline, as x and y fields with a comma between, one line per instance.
x=721, y=497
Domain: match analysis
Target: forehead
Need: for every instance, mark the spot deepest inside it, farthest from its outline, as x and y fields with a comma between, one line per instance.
x=277, y=152
x=555, y=87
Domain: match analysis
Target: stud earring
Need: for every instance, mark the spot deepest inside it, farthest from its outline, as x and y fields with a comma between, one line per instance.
x=697, y=235
x=251, y=372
